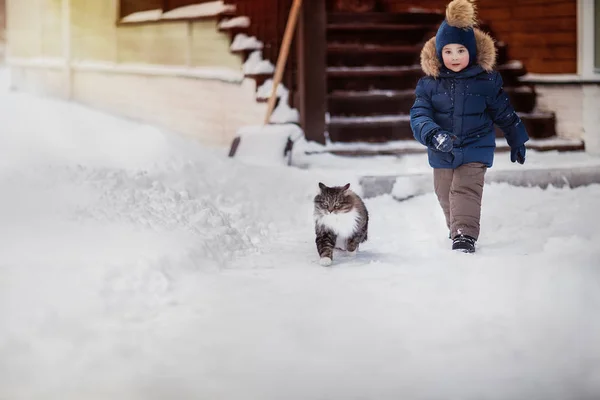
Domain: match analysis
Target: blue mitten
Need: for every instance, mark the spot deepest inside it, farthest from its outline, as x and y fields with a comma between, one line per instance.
x=518, y=154
x=442, y=141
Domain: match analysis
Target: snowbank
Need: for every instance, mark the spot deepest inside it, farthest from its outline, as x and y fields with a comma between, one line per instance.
x=138, y=265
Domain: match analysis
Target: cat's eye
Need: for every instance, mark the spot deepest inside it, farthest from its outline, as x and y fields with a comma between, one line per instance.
x=337, y=206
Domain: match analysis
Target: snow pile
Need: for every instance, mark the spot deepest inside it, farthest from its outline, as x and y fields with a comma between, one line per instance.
x=207, y=9
x=283, y=113
x=264, y=91
x=406, y=187
x=137, y=265
x=245, y=42
x=255, y=65
x=237, y=22
x=146, y=203
x=265, y=144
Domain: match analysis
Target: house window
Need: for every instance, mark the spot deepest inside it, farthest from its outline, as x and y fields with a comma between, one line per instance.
x=135, y=10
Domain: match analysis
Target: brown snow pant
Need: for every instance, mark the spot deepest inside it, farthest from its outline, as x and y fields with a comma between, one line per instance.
x=459, y=192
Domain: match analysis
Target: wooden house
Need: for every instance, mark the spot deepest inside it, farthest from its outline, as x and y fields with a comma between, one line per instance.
x=195, y=66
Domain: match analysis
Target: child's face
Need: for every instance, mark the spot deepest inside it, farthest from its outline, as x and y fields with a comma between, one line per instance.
x=456, y=57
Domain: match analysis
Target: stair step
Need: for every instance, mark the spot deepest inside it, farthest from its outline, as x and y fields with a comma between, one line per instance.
x=386, y=17
x=395, y=34
x=371, y=48
x=259, y=78
x=377, y=129
x=370, y=129
x=401, y=148
x=375, y=102
x=511, y=71
x=369, y=26
x=539, y=125
x=502, y=53
x=523, y=98
x=382, y=102
x=356, y=54
x=399, y=71
x=373, y=77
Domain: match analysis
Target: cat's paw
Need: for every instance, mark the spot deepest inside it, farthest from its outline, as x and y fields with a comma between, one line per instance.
x=352, y=253
x=325, y=261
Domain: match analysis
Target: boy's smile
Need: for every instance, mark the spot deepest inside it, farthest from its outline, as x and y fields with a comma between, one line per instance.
x=456, y=57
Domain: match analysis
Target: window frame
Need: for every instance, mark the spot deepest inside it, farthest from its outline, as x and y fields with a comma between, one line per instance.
x=586, y=15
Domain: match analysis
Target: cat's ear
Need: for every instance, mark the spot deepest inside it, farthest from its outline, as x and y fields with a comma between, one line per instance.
x=346, y=186
x=322, y=186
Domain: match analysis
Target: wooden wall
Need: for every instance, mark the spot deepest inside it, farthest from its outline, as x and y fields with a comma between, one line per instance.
x=35, y=28
x=2, y=19
x=541, y=33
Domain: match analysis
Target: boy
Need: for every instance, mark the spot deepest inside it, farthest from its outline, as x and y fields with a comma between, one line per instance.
x=456, y=106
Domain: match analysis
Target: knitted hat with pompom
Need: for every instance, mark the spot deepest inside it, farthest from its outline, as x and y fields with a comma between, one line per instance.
x=458, y=28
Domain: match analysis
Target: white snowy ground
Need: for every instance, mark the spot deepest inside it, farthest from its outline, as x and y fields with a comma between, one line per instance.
x=136, y=265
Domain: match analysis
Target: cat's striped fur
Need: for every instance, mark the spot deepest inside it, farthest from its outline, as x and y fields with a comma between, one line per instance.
x=341, y=220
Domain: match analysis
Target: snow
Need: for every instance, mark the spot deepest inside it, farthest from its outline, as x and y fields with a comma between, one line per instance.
x=408, y=164
x=514, y=64
x=237, y=22
x=283, y=113
x=207, y=9
x=557, y=78
x=139, y=265
x=264, y=91
x=255, y=65
x=374, y=93
x=212, y=73
x=265, y=144
x=37, y=62
x=245, y=42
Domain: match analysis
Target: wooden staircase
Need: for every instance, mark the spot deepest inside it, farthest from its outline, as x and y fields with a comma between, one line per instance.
x=373, y=67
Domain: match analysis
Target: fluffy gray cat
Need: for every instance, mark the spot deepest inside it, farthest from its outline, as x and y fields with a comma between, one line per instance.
x=341, y=221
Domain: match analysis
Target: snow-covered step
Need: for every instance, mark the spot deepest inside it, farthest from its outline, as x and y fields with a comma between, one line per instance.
x=373, y=77
x=402, y=147
x=380, y=102
x=357, y=54
x=371, y=102
x=379, y=128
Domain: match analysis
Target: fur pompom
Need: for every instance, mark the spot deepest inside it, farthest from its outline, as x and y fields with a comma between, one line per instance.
x=461, y=14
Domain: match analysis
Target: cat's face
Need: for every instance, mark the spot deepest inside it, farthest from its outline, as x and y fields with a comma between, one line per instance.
x=333, y=199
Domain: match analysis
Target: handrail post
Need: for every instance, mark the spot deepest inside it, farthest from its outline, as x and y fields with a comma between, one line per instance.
x=312, y=69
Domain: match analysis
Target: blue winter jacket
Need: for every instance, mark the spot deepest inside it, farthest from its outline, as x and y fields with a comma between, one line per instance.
x=465, y=104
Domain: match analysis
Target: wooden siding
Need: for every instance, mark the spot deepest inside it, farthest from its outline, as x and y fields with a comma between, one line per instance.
x=540, y=33
x=2, y=20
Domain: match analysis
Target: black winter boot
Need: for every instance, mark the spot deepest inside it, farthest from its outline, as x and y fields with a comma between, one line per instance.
x=464, y=243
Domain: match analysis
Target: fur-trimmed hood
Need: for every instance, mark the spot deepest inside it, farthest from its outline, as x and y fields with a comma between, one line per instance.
x=486, y=54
